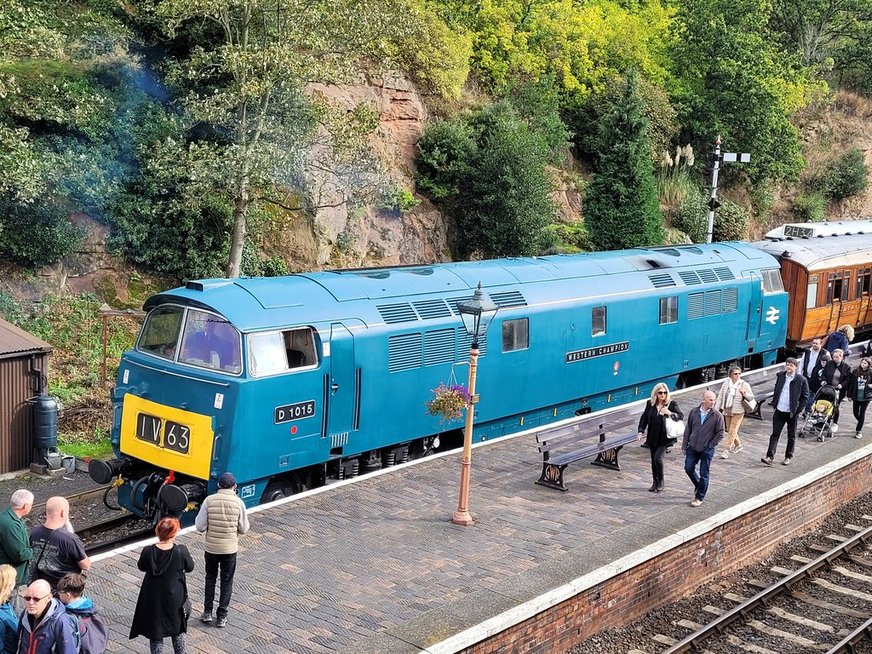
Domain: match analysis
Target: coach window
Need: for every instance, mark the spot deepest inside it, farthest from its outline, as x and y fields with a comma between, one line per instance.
x=598, y=321
x=837, y=287
x=516, y=334
x=275, y=352
x=772, y=281
x=811, y=298
x=864, y=277
x=668, y=310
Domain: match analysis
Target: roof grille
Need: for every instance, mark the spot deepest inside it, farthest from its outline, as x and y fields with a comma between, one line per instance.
x=393, y=313
x=689, y=277
x=724, y=274
x=661, y=280
x=508, y=299
x=708, y=276
x=428, y=309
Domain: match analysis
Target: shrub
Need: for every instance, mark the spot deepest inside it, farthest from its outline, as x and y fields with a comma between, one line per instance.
x=810, y=207
x=36, y=234
x=731, y=222
x=845, y=176
x=731, y=219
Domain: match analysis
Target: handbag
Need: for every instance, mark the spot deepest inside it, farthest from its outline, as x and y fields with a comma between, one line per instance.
x=674, y=429
x=749, y=404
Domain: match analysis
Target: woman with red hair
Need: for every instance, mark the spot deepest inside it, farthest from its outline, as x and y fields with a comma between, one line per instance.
x=162, y=608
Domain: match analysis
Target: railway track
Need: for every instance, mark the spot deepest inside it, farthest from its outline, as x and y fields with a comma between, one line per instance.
x=824, y=605
x=114, y=532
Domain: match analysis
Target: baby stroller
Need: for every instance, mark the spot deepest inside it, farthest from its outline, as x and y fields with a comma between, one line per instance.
x=821, y=417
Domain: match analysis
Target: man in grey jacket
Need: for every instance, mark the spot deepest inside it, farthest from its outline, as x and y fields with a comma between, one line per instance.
x=223, y=517
x=704, y=430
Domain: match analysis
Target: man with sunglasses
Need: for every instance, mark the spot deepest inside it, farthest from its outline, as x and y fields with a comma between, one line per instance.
x=44, y=628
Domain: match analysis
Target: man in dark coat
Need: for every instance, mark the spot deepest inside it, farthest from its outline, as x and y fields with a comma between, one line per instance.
x=789, y=398
x=704, y=430
x=813, y=362
x=44, y=626
x=15, y=547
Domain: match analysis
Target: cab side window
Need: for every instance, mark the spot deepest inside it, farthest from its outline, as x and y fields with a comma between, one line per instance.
x=270, y=353
x=598, y=321
x=516, y=334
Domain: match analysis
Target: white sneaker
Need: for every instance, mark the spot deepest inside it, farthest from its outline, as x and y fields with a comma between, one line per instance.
x=859, y=434
x=738, y=449
x=725, y=454
x=834, y=428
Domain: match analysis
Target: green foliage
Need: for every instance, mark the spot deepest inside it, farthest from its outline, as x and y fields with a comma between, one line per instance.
x=402, y=200
x=810, y=207
x=620, y=207
x=733, y=80
x=675, y=178
x=582, y=45
x=569, y=239
x=488, y=168
x=35, y=234
x=538, y=103
x=730, y=224
x=844, y=176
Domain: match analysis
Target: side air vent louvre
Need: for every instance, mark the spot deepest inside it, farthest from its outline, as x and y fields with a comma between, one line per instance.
x=689, y=277
x=712, y=303
x=508, y=299
x=661, y=280
x=428, y=309
x=394, y=313
x=439, y=347
x=404, y=352
x=731, y=300
x=695, y=306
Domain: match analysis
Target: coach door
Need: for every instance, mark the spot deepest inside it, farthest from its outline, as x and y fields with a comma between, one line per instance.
x=341, y=388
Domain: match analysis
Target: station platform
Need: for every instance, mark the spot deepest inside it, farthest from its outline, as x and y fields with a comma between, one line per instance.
x=374, y=565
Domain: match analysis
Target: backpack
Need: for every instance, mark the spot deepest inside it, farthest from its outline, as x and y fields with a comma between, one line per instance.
x=90, y=633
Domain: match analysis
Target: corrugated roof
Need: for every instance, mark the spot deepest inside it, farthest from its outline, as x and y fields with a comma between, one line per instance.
x=14, y=341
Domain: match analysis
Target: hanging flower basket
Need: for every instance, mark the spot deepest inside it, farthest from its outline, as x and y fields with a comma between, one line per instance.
x=449, y=402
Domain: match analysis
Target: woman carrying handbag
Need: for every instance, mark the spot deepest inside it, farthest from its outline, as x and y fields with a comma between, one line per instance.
x=734, y=399
x=659, y=411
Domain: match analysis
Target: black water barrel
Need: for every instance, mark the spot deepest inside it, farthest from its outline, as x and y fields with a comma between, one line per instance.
x=45, y=423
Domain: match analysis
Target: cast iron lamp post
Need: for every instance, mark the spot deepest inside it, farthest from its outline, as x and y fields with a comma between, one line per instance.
x=477, y=315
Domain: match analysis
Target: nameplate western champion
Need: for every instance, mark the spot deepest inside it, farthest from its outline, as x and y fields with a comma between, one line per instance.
x=600, y=351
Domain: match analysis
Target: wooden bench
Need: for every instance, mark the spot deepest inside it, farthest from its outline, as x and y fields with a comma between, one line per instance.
x=604, y=449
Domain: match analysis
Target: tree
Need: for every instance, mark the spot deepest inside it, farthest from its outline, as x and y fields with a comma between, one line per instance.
x=732, y=79
x=620, y=207
x=245, y=94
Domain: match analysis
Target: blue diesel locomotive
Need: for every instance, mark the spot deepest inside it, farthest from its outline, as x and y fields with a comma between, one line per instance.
x=295, y=381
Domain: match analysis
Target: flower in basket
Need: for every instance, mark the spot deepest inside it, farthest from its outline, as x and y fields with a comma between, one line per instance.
x=449, y=401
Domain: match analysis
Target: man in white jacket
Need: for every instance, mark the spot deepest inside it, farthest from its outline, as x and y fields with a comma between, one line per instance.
x=222, y=517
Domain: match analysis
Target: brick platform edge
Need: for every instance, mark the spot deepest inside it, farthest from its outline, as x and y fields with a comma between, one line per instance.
x=625, y=597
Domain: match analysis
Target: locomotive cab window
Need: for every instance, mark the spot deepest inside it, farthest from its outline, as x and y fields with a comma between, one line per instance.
x=516, y=334
x=276, y=352
x=161, y=332
x=772, y=281
x=668, y=310
x=598, y=321
x=210, y=341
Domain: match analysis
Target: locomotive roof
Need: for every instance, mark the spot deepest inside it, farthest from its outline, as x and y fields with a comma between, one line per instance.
x=253, y=303
x=822, y=252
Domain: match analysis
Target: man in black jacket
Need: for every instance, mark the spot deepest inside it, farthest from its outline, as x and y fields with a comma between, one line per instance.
x=790, y=397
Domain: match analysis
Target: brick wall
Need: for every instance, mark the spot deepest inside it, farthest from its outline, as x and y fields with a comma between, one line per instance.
x=678, y=572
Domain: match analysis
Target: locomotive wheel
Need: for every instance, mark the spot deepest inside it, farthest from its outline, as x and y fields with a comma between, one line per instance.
x=282, y=487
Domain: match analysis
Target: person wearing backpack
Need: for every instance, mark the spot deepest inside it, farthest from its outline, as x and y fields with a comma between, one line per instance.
x=88, y=627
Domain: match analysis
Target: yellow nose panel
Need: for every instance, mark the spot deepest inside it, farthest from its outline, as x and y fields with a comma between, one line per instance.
x=167, y=437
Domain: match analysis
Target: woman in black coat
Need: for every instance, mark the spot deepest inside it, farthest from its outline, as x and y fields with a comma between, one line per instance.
x=860, y=392
x=160, y=608
x=653, y=421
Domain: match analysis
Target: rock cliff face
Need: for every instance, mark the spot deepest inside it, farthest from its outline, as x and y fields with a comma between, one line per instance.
x=349, y=235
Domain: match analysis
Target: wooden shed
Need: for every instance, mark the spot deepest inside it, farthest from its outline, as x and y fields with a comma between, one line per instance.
x=23, y=373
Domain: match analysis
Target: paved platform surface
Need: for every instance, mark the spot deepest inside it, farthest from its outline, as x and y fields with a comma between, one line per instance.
x=377, y=566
